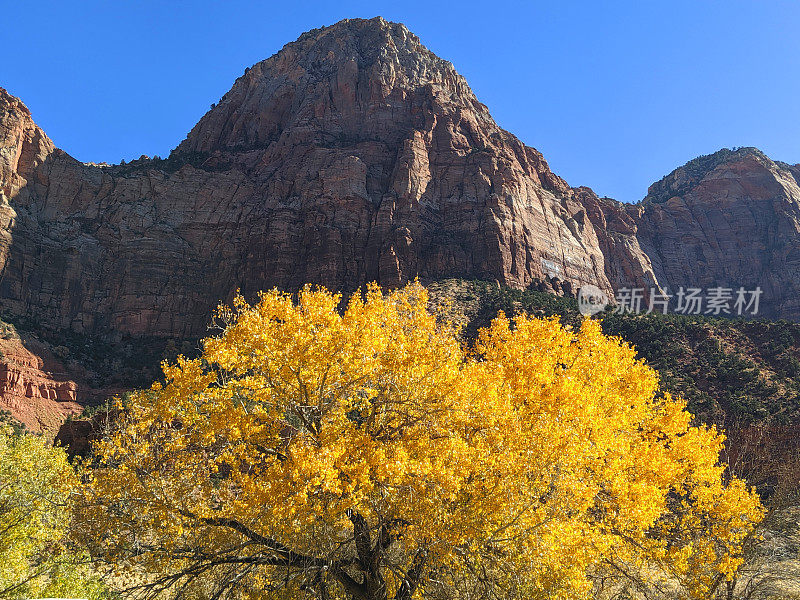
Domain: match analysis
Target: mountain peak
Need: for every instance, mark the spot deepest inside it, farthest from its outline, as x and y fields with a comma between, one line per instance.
x=358, y=27
x=353, y=155
x=345, y=81
x=687, y=176
x=23, y=145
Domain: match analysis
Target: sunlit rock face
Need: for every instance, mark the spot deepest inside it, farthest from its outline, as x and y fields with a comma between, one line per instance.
x=728, y=219
x=354, y=155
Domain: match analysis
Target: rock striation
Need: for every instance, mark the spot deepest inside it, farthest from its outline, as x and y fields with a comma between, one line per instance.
x=35, y=387
x=353, y=155
x=727, y=219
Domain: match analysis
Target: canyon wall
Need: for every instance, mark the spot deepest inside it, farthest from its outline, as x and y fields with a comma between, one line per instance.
x=354, y=155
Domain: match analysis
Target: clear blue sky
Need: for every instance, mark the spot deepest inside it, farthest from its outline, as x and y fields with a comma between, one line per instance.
x=615, y=94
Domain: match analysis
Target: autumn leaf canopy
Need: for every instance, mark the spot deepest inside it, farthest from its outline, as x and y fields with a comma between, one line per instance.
x=324, y=449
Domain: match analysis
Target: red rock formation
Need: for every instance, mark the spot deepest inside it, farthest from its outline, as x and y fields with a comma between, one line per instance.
x=728, y=219
x=37, y=392
x=352, y=155
x=355, y=154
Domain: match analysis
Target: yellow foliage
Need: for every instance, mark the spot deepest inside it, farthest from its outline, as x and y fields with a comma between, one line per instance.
x=36, y=488
x=366, y=453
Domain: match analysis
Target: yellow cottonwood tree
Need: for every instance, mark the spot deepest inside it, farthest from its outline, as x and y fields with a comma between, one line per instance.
x=366, y=454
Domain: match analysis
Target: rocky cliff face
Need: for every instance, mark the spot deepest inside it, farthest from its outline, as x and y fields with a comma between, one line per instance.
x=353, y=155
x=34, y=386
x=732, y=219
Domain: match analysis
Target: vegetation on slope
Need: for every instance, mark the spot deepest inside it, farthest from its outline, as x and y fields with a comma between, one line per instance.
x=728, y=370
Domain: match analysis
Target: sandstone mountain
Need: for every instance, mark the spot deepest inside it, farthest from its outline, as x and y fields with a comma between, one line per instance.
x=353, y=155
x=731, y=218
